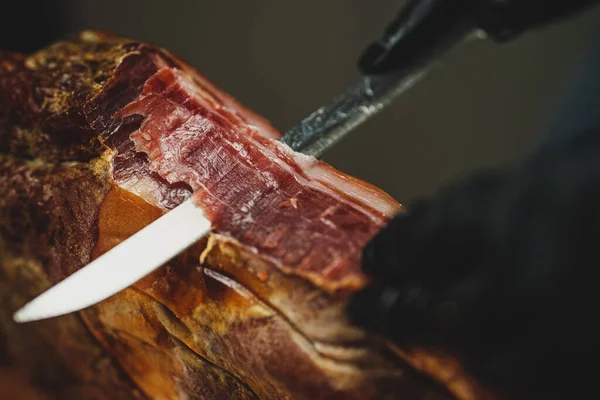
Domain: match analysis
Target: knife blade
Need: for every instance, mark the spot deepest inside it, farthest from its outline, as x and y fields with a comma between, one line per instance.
x=178, y=229
x=121, y=266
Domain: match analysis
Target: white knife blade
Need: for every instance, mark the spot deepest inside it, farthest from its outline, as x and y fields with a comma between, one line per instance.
x=122, y=266
x=181, y=227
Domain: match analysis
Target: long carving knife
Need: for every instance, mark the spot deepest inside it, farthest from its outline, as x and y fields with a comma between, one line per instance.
x=183, y=226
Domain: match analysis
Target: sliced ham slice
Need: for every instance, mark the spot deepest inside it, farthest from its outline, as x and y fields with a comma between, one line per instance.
x=253, y=188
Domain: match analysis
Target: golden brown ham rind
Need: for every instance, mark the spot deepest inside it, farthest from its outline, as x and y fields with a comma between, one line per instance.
x=219, y=322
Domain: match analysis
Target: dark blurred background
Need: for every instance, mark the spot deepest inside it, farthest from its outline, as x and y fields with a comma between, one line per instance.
x=484, y=106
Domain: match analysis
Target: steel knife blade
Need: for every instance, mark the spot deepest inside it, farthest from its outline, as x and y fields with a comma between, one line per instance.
x=121, y=266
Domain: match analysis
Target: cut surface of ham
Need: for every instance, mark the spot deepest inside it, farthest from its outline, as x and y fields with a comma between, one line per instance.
x=253, y=188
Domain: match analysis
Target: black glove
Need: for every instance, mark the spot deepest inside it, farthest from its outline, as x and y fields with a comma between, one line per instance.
x=501, y=270
x=498, y=269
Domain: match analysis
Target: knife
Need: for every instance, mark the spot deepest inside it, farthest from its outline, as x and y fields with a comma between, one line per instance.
x=177, y=230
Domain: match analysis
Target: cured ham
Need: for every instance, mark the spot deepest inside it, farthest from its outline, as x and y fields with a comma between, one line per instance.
x=101, y=135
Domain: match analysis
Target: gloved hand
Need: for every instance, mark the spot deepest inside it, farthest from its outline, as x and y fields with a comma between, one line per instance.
x=499, y=269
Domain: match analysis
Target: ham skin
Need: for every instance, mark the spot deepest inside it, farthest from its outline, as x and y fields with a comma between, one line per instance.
x=100, y=136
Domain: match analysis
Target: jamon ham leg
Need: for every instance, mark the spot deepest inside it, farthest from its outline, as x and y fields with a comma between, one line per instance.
x=99, y=136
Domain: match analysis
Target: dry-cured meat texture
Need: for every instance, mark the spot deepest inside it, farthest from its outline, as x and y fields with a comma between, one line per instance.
x=255, y=190
x=100, y=136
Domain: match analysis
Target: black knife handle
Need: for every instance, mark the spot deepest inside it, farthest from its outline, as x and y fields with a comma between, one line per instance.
x=425, y=28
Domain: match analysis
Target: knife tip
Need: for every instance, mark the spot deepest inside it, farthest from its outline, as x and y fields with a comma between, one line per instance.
x=21, y=316
x=30, y=312
x=122, y=266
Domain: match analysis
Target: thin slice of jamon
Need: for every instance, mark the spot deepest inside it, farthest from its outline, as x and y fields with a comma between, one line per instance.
x=285, y=205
